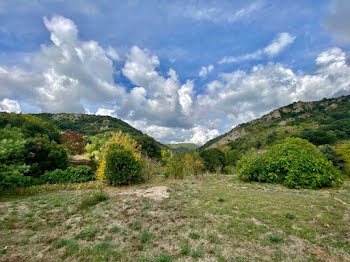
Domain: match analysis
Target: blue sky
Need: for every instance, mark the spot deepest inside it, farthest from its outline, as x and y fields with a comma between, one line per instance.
x=177, y=70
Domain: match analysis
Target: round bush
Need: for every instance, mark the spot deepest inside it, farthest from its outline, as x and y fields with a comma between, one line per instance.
x=295, y=164
x=121, y=166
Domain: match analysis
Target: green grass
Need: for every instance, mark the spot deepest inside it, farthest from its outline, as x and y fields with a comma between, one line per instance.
x=255, y=222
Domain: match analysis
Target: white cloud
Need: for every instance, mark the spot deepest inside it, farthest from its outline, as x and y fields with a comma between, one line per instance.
x=214, y=13
x=248, y=95
x=112, y=53
x=163, y=101
x=279, y=44
x=205, y=71
x=65, y=74
x=274, y=48
x=8, y=105
x=105, y=112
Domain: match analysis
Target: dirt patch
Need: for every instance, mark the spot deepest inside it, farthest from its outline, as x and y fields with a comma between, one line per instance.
x=157, y=193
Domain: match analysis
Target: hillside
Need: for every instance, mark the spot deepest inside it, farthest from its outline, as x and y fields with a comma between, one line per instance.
x=183, y=147
x=321, y=122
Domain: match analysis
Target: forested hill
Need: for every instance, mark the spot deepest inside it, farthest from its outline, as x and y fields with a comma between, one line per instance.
x=88, y=124
x=321, y=122
x=94, y=125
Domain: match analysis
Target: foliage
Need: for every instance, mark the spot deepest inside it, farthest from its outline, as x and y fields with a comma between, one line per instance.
x=344, y=152
x=149, y=146
x=152, y=168
x=231, y=157
x=121, y=166
x=74, y=142
x=44, y=154
x=123, y=141
x=30, y=125
x=213, y=159
x=77, y=174
x=293, y=164
x=319, y=136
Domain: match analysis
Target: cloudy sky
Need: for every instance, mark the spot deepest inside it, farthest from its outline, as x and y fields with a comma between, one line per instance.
x=180, y=71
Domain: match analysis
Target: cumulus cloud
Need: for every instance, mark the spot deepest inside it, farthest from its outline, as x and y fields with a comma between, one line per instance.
x=105, y=112
x=68, y=74
x=8, y=105
x=162, y=100
x=277, y=45
x=65, y=74
x=205, y=70
x=248, y=95
x=338, y=22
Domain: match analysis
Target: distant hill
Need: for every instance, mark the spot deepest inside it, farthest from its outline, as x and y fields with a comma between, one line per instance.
x=321, y=122
x=90, y=125
x=183, y=147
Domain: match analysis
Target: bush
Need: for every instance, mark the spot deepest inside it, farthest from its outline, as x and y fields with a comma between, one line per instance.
x=74, y=142
x=213, y=159
x=44, y=154
x=121, y=166
x=77, y=174
x=295, y=164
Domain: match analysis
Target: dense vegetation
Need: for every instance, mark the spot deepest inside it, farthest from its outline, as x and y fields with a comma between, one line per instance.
x=324, y=123
x=38, y=149
x=295, y=163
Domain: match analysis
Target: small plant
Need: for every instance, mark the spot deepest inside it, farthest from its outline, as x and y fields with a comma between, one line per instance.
x=115, y=229
x=145, y=236
x=104, y=245
x=197, y=253
x=221, y=200
x=275, y=239
x=185, y=249
x=96, y=198
x=194, y=235
x=290, y=215
x=88, y=234
x=65, y=243
x=136, y=225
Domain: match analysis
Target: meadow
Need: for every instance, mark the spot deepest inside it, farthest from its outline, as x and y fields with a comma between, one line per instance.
x=214, y=217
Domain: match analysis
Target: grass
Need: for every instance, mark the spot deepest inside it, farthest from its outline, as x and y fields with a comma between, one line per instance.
x=214, y=218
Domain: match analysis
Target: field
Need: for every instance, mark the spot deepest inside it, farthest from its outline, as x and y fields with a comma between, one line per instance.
x=212, y=218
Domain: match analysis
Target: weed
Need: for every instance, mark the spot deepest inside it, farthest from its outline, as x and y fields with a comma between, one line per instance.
x=275, y=239
x=88, y=233
x=197, y=253
x=96, y=198
x=221, y=200
x=104, y=245
x=289, y=215
x=185, y=249
x=115, y=229
x=136, y=225
x=145, y=236
x=194, y=235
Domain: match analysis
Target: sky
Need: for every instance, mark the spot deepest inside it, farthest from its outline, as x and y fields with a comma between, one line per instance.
x=180, y=71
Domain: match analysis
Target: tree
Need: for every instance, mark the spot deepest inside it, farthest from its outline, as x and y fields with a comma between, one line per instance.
x=74, y=142
x=213, y=158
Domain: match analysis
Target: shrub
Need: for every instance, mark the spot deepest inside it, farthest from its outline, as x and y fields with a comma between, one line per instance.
x=294, y=163
x=73, y=141
x=213, y=159
x=121, y=166
x=119, y=140
x=79, y=174
x=44, y=154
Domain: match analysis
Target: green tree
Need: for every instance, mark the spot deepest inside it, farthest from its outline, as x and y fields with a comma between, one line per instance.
x=213, y=159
